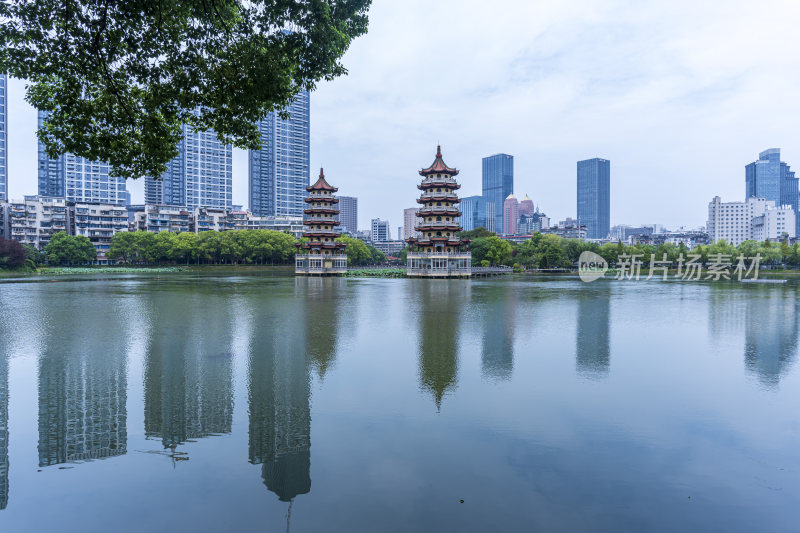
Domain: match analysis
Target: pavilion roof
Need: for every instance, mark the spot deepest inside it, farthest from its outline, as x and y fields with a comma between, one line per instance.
x=438, y=166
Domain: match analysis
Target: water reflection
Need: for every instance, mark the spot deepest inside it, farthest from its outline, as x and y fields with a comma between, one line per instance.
x=83, y=389
x=3, y=427
x=498, y=320
x=592, y=344
x=439, y=307
x=188, y=377
x=279, y=388
x=770, y=341
x=321, y=297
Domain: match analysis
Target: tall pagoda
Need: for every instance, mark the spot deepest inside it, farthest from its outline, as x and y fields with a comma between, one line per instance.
x=436, y=251
x=321, y=254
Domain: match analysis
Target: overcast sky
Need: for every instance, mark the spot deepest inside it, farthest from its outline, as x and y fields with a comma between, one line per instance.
x=679, y=95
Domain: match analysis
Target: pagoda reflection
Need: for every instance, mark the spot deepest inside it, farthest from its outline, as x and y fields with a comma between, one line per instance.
x=770, y=334
x=322, y=297
x=188, y=375
x=439, y=307
x=82, y=389
x=592, y=339
x=279, y=390
x=497, y=317
x=3, y=424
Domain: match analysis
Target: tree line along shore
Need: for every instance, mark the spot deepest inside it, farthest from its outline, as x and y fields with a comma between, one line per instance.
x=266, y=247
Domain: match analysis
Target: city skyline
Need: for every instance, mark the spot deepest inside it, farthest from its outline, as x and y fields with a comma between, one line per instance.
x=635, y=93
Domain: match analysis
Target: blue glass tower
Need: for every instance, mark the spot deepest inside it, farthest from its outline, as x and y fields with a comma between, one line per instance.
x=594, y=197
x=201, y=175
x=772, y=179
x=77, y=179
x=279, y=171
x=3, y=137
x=498, y=183
x=473, y=212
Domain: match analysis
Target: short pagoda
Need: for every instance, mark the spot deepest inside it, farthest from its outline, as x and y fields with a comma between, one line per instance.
x=436, y=251
x=320, y=254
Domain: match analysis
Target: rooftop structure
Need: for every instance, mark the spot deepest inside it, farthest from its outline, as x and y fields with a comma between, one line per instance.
x=321, y=253
x=438, y=252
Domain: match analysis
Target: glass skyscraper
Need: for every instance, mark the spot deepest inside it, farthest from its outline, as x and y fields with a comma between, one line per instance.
x=279, y=170
x=473, y=212
x=498, y=183
x=594, y=197
x=77, y=179
x=3, y=138
x=772, y=179
x=201, y=175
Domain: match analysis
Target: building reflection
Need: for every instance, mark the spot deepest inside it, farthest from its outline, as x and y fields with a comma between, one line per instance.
x=322, y=297
x=439, y=305
x=279, y=390
x=498, y=320
x=82, y=390
x=771, y=334
x=188, y=375
x=592, y=343
x=3, y=426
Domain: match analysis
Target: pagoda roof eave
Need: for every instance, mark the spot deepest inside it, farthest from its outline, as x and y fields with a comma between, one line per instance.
x=438, y=166
x=321, y=184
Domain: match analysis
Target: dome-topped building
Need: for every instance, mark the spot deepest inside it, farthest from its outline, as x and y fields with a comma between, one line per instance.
x=436, y=251
x=321, y=254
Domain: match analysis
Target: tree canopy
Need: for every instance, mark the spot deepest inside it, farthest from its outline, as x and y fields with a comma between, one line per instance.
x=66, y=249
x=226, y=247
x=119, y=80
x=12, y=254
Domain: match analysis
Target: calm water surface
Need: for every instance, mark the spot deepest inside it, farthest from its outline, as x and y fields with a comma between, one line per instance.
x=259, y=403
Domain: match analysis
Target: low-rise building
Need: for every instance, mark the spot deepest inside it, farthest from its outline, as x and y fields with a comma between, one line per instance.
x=392, y=248
x=567, y=229
x=158, y=218
x=35, y=219
x=212, y=219
x=99, y=223
x=291, y=225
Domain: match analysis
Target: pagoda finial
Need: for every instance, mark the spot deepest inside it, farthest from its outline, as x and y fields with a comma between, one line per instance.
x=321, y=173
x=438, y=150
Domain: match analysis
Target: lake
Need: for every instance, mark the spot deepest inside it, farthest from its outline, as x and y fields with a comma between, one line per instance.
x=263, y=402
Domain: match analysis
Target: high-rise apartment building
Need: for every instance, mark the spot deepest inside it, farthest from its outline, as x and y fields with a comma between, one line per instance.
x=348, y=214
x=77, y=179
x=279, y=170
x=381, y=231
x=473, y=213
x=3, y=138
x=772, y=179
x=497, y=184
x=594, y=197
x=410, y=221
x=201, y=175
x=510, y=215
